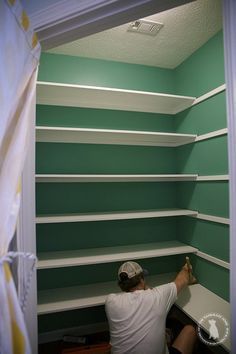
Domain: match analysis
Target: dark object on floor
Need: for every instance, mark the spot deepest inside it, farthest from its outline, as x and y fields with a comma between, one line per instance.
x=75, y=339
x=97, y=343
x=102, y=348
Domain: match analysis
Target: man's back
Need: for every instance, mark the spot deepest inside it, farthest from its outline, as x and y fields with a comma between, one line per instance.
x=137, y=319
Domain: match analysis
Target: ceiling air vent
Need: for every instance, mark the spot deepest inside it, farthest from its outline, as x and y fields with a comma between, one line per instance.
x=146, y=27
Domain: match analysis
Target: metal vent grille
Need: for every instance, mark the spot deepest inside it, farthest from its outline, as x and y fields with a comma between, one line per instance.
x=145, y=27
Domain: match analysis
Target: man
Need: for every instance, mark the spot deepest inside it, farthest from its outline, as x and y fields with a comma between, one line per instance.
x=137, y=316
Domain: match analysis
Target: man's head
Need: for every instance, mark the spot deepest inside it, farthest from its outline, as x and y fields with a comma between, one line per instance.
x=130, y=276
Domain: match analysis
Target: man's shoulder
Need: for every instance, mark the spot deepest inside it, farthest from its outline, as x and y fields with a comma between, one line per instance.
x=115, y=302
x=110, y=296
x=164, y=287
x=113, y=297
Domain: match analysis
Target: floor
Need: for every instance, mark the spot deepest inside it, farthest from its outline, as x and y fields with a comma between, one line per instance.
x=176, y=320
x=61, y=347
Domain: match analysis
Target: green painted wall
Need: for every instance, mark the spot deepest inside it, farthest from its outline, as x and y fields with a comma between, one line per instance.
x=95, y=159
x=203, y=71
x=84, y=71
x=206, y=197
x=103, y=118
x=65, y=198
x=209, y=237
x=68, y=319
x=200, y=73
x=71, y=276
x=83, y=235
x=212, y=276
x=203, y=118
x=207, y=157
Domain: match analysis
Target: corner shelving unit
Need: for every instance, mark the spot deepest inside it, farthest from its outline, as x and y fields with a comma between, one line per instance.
x=109, y=98
x=76, y=297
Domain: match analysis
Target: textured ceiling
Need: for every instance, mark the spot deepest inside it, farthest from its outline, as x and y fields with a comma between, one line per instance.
x=186, y=28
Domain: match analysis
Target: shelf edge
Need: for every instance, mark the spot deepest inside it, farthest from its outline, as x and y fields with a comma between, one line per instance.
x=114, y=216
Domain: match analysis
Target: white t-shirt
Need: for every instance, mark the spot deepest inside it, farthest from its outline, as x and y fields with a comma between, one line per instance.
x=137, y=319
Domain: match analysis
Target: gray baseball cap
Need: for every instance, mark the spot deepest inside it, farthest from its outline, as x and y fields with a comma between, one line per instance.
x=131, y=269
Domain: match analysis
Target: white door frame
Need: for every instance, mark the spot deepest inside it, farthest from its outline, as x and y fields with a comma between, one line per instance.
x=229, y=7
x=26, y=238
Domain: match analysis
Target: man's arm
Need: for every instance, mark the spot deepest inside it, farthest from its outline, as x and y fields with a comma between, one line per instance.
x=184, y=278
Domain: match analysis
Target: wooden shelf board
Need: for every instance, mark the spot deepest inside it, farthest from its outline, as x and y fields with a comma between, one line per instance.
x=114, y=178
x=112, y=254
x=51, y=93
x=116, y=215
x=109, y=136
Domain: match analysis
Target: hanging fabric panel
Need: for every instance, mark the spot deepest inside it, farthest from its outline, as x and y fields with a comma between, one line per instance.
x=19, y=53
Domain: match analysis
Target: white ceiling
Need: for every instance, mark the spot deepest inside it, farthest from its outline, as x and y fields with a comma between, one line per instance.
x=186, y=28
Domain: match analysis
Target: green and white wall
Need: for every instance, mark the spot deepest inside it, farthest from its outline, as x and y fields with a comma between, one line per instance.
x=200, y=73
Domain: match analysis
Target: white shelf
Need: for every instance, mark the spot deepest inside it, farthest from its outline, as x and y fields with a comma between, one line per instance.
x=213, y=259
x=54, y=178
x=212, y=218
x=112, y=254
x=213, y=178
x=213, y=134
x=110, y=136
x=197, y=301
x=51, y=93
x=210, y=94
x=117, y=215
x=114, y=178
x=76, y=297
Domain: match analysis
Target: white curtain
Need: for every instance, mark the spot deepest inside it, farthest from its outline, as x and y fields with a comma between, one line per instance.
x=19, y=56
